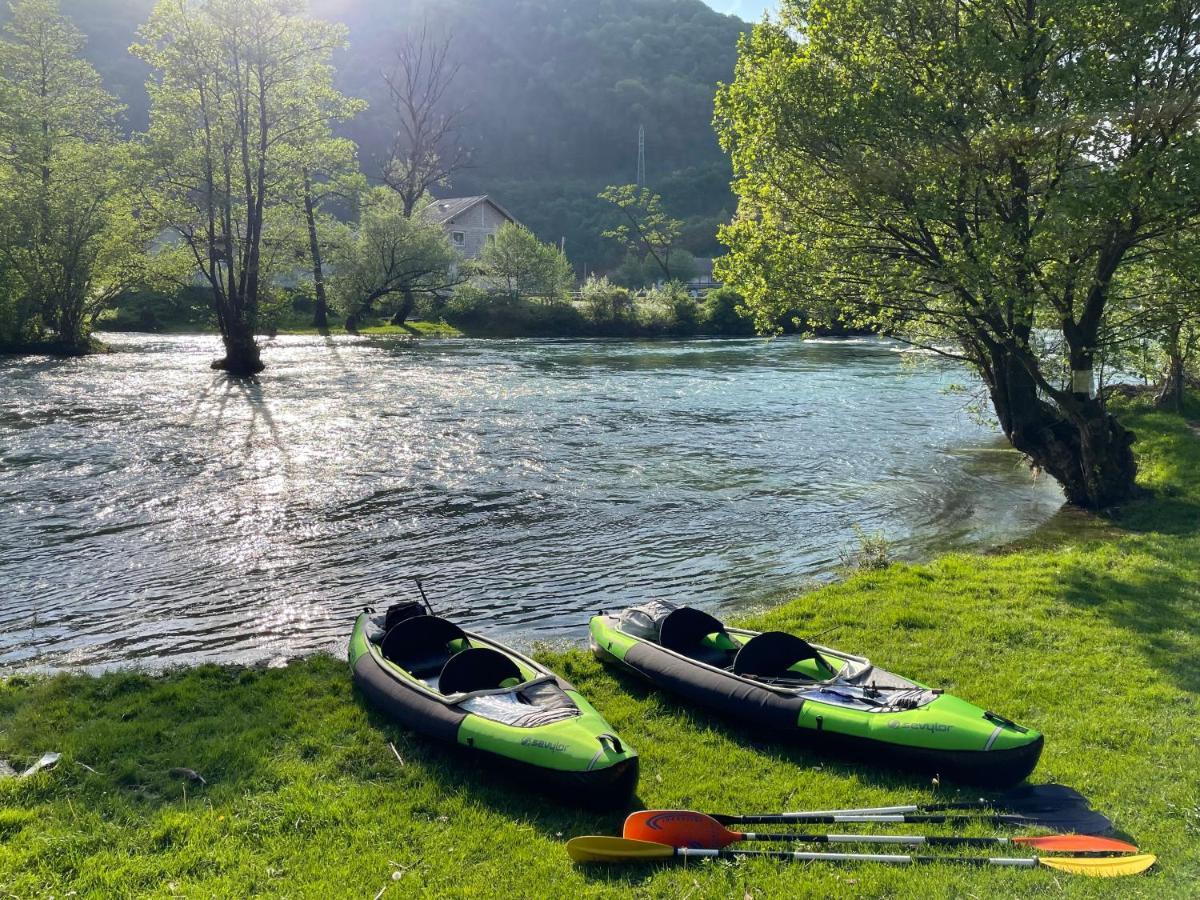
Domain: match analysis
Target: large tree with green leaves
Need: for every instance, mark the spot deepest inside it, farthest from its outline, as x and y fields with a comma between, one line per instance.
x=518, y=263
x=69, y=240
x=393, y=256
x=646, y=231
x=233, y=89
x=976, y=173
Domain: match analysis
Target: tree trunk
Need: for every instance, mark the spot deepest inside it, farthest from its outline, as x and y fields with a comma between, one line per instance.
x=321, y=314
x=242, y=357
x=1170, y=396
x=71, y=332
x=1090, y=455
x=405, y=309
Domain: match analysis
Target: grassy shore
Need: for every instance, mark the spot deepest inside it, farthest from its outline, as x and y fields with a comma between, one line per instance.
x=1095, y=642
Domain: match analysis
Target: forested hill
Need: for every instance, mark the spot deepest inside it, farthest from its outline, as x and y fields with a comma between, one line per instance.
x=555, y=91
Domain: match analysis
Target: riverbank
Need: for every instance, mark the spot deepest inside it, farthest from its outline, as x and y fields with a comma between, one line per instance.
x=1095, y=642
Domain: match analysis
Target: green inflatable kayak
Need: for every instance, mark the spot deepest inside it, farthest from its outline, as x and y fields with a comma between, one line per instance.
x=830, y=699
x=459, y=687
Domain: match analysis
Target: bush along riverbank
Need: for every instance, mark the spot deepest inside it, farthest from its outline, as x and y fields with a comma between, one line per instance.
x=1095, y=642
x=600, y=310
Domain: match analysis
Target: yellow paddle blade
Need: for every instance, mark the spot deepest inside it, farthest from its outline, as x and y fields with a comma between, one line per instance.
x=1100, y=866
x=615, y=849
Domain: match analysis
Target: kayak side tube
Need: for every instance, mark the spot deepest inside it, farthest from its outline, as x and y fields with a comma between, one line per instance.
x=579, y=759
x=784, y=714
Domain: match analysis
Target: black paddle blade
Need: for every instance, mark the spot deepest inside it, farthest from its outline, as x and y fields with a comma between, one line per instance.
x=1026, y=798
x=1066, y=821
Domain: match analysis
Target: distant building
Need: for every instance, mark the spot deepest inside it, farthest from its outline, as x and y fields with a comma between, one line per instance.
x=704, y=280
x=470, y=222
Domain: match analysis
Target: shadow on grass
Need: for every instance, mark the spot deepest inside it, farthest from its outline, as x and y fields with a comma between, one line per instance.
x=1153, y=605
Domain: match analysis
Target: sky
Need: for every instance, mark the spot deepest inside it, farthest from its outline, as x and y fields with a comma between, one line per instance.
x=750, y=10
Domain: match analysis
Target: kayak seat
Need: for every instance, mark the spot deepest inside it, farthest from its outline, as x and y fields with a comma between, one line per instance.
x=421, y=644
x=684, y=631
x=477, y=669
x=771, y=654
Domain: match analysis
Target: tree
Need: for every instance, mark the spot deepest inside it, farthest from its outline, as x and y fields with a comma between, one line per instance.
x=392, y=255
x=69, y=240
x=327, y=175
x=1155, y=331
x=647, y=229
x=426, y=148
x=523, y=266
x=233, y=87
x=974, y=171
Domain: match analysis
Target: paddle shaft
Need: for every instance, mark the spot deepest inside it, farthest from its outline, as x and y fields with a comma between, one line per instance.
x=914, y=840
x=843, y=819
x=1026, y=862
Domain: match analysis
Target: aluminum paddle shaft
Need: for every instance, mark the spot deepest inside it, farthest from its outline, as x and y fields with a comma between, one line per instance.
x=1023, y=862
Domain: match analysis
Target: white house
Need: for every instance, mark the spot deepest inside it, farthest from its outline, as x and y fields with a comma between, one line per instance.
x=470, y=222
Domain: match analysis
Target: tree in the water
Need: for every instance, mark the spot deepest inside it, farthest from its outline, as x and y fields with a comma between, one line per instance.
x=393, y=256
x=977, y=173
x=232, y=87
x=69, y=240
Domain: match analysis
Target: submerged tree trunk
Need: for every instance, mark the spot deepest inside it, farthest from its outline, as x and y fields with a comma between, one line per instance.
x=1089, y=454
x=321, y=313
x=406, y=307
x=242, y=356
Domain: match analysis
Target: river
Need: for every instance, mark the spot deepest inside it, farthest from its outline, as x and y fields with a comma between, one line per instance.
x=153, y=512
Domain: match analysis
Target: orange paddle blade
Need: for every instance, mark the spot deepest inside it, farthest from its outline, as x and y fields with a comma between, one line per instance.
x=679, y=828
x=1076, y=843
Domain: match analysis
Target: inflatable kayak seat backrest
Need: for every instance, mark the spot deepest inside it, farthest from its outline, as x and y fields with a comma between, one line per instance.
x=400, y=612
x=477, y=669
x=684, y=631
x=421, y=644
x=771, y=654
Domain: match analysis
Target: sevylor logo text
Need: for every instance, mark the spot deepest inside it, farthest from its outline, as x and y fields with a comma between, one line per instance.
x=920, y=726
x=545, y=745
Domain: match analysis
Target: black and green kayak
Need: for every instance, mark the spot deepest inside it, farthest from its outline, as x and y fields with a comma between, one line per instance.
x=830, y=699
x=459, y=687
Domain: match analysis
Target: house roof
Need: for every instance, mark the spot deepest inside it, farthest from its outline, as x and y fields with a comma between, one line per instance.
x=442, y=211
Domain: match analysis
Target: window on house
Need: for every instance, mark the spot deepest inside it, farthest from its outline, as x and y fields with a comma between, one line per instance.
x=459, y=237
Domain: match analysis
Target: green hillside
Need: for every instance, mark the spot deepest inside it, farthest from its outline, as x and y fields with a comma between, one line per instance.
x=555, y=91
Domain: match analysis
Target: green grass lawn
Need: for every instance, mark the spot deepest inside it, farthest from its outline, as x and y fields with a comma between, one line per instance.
x=1096, y=643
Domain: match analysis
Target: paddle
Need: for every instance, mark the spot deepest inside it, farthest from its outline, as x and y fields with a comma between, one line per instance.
x=613, y=850
x=682, y=828
x=1051, y=806
x=1028, y=799
x=1085, y=822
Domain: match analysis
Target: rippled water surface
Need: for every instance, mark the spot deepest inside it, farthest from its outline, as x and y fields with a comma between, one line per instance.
x=153, y=511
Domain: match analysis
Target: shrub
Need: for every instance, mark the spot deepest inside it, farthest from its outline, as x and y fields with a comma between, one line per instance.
x=721, y=313
x=605, y=302
x=666, y=311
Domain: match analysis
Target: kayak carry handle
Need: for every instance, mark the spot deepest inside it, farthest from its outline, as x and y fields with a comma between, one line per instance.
x=611, y=741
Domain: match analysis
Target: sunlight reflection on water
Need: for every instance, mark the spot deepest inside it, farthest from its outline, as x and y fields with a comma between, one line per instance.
x=153, y=511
